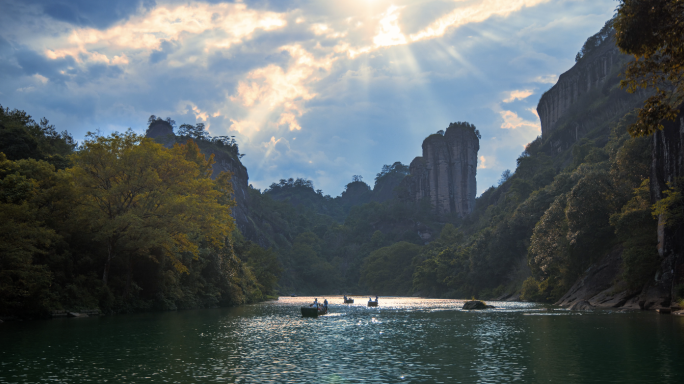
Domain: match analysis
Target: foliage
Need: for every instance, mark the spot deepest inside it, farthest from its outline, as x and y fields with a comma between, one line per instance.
x=549, y=247
x=300, y=192
x=388, y=270
x=636, y=229
x=148, y=215
x=653, y=32
x=22, y=138
x=596, y=40
x=547, y=291
x=24, y=284
x=195, y=132
x=138, y=196
x=464, y=125
x=505, y=175
x=670, y=209
x=389, y=170
x=154, y=119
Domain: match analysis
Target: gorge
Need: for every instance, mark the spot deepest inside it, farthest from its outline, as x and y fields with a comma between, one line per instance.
x=573, y=223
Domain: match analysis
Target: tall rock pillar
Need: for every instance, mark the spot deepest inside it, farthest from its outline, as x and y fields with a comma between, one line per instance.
x=445, y=174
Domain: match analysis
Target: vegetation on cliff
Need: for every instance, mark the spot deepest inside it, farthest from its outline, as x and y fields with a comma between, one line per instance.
x=121, y=223
x=573, y=197
x=127, y=223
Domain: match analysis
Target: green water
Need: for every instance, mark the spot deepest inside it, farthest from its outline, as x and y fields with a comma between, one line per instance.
x=404, y=340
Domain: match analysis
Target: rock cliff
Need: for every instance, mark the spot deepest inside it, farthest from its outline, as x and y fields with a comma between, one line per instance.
x=667, y=170
x=445, y=174
x=240, y=181
x=590, y=73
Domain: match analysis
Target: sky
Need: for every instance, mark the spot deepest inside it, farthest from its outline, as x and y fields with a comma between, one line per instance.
x=321, y=90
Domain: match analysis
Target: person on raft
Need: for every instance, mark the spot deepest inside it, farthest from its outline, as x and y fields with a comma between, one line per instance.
x=315, y=303
x=325, y=303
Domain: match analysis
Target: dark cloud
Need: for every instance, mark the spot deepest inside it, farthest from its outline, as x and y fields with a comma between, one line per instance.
x=368, y=111
x=165, y=49
x=241, y=62
x=96, y=71
x=32, y=63
x=91, y=13
x=5, y=47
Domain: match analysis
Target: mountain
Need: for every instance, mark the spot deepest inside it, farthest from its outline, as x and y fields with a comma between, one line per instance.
x=445, y=174
x=573, y=223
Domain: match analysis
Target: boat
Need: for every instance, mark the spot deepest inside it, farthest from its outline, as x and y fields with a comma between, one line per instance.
x=373, y=303
x=313, y=311
x=348, y=300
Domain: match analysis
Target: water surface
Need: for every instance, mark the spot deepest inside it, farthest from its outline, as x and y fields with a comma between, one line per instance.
x=410, y=340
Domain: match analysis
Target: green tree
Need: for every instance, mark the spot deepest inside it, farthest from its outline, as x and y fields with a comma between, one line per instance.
x=549, y=247
x=636, y=229
x=22, y=138
x=138, y=196
x=653, y=32
x=388, y=270
x=24, y=284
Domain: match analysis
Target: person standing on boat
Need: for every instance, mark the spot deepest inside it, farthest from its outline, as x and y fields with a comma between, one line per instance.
x=345, y=298
x=376, y=299
x=325, y=303
x=315, y=303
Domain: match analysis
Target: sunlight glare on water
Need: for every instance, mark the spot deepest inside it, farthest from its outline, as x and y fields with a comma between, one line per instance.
x=410, y=340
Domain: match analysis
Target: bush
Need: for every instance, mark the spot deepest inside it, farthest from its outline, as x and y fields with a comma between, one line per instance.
x=530, y=290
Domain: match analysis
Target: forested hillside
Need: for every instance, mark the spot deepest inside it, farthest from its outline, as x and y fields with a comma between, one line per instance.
x=128, y=223
x=579, y=195
x=120, y=223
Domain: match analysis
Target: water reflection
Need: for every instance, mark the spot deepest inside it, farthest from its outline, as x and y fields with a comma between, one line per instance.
x=403, y=340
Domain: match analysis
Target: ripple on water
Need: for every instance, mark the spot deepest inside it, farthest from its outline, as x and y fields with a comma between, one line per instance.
x=403, y=340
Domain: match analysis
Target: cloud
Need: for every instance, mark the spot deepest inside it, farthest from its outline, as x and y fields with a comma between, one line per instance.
x=546, y=79
x=272, y=90
x=223, y=25
x=473, y=13
x=389, y=32
x=358, y=84
x=186, y=106
x=91, y=13
x=33, y=63
x=518, y=95
x=511, y=120
x=165, y=48
x=482, y=163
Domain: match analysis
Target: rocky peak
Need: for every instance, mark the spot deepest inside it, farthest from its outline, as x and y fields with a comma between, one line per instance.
x=445, y=174
x=159, y=128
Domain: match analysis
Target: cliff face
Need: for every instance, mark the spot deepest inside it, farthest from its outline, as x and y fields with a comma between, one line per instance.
x=162, y=132
x=667, y=169
x=240, y=181
x=590, y=73
x=445, y=174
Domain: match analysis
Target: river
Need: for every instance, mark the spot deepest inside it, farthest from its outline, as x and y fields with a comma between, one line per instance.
x=410, y=340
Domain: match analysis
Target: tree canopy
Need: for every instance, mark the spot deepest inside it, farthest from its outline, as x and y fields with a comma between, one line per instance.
x=653, y=32
x=138, y=196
